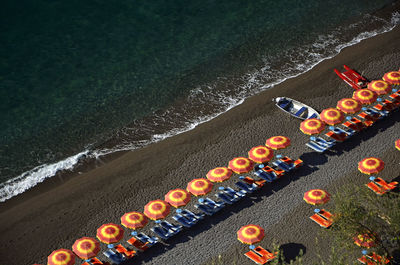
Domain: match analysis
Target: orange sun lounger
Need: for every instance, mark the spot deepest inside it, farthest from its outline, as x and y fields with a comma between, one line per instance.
x=278, y=172
x=260, y=256
x=373, y=259
x=297, y=163
x=138, y=244
x=323, y=218
x=380, y=187
x=127, y=253
x=339, y=137
x=368, y=119
x=96, y=261
x=250, y=180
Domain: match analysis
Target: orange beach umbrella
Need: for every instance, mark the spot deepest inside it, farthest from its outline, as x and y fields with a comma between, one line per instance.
x=61, y=257
x=199, y=186
x=250, y=234
x=260, y=154
x=157, y=209
x=371, y=165
x=392, y=77
x=86, y=247
x=365, y=96
x=380, y=87
x=110, y=233
x=316, y=197
x=134, y=220
x=332, y=116
x=348, y=105
x=366, y=240
x=219, y=174
x=397, y=144
x=177, y=197
x=278, y=142
x=312, y=126
x=240, y=165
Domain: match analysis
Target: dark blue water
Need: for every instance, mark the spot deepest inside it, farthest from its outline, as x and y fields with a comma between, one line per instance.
x=109, y=75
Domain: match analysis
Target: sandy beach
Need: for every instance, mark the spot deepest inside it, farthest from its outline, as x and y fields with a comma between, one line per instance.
x=53, y=215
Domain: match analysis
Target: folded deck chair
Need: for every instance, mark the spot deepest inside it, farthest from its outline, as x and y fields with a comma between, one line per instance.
x=323, y=218
x=116, y=258
x=128, y=253
x=247, y=188
x=168, y=226
x=373, y=259
x=162, y=232
x=190, y=215
x=184, y=221
x=95, y=261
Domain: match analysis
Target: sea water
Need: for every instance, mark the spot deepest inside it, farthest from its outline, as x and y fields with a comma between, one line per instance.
x=82, y=79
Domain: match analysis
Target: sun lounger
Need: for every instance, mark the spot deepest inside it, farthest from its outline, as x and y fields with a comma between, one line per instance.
x=373, y=259
x=349, y=132
x=233, y=192
x=287, y=164
x=380, y=187
x=322, y=142
x=387, y=105
x=209, y=206
x=116, y=258
x=339, y=137
x=250, y=180
x=316, y=147
x=354, y=124
x=395, y=96
x=277, y=172
x=260, y=256
x=162, y=232
x=377, y=113
x=323, y=218
x=95, y=261
x=205, y=209
x=128, y=253
x=247, y=188
x=138, y=244
x=184, y=221
x=227, y=198
x=268, y=177
x=215, y=204
x=190, y=215
x=167, y=225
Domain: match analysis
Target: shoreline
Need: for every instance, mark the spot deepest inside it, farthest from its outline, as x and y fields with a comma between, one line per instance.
x=91, y=198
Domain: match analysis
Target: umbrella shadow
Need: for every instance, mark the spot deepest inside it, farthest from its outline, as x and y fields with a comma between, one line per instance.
x=292, y=250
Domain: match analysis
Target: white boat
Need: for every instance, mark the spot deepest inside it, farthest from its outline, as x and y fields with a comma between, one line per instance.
x=296, y=108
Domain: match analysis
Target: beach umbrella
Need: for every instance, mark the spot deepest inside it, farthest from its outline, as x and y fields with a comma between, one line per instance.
x=278, y=142
x=348, y=105
x=240, y=165
x=380, y=87
x=219, y=174
x=250, y=234
x=312, y=126
x=371, y=165
x=86, y=247
x=366, y=240
x=392, y=77
x=134, y=220
x=61, y=257
x=260, y=154
x=110, y=233
x=177, y=197
x=365, y=96
x=397, y=144
x=157, y=209
x=199, y=186
x=316, y=197
x=332, y=116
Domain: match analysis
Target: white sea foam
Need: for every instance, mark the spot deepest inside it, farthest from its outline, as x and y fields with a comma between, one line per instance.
x=252, y=83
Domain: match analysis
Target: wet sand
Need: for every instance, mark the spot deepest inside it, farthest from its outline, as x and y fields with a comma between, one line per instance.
x=54, y=217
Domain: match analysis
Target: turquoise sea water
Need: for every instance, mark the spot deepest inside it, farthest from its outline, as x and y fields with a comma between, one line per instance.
x=98, y=76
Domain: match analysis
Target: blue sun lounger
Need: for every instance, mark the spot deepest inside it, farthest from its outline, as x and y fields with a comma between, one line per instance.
x=226, y=198
x=190, y=215
x=208, y=206
x=116, y=258
x=348, y=131
x=168, y=226
x=233, y=192
x=186, y=222
x=147, y=239
x=246, y=188
x=162, y=232
x=267, y=176
x=282, y=165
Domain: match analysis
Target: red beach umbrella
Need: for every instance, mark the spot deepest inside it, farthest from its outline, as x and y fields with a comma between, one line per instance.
x=61, y=257
x=380, y=87
x=261, y=154
x=332, y=116
x=392, y=77
x=397, y=144
x=365, y=96
x=250, y=234
x=157, y=209
x=366, y=240
x=371, y=165
x=86, y=247
x=240, y=165
x=134, y=220
x=219, y=174
x=312, y=126
x=316, y=197
x=110, y=233
x=278, y=142
x=177, y=197
x=348, y=105
x=199, y=186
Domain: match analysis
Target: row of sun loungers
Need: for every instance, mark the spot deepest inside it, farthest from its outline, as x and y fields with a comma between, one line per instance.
x=365, y=119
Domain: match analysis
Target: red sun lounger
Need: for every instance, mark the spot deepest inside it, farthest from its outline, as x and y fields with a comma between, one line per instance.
x=250, y=180
x=278, y=172
x=395, y=96
x=260, y=256
x=368, y=119
x=352, y=78
x=323, y=218
x=380, y=187
x=373, y=259
x=126, y=252
x=340, y=137
x=95, y=261
x=138, y=244
x=296, y=163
